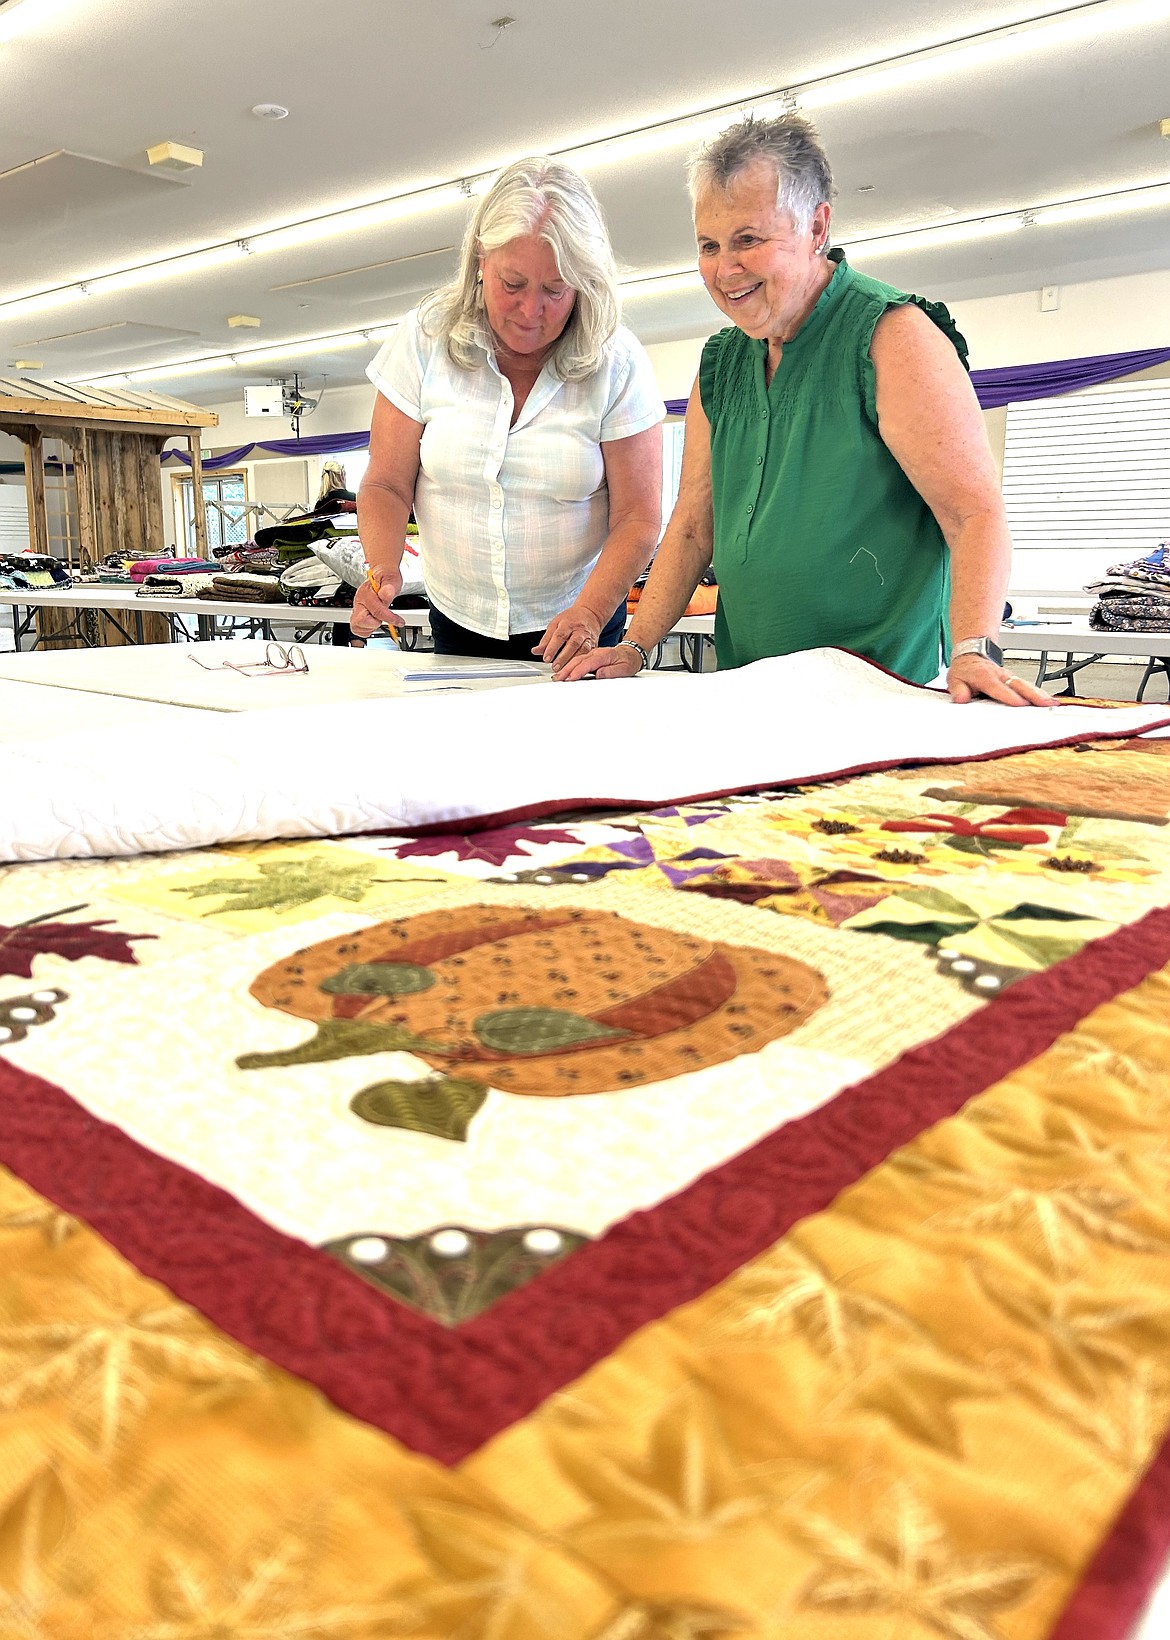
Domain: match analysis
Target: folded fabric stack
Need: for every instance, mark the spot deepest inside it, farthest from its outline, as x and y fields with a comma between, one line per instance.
x=246, y=588
x=140, y=568
x=32, y=572
x=330, y=595
x=310, y=582
x=175, y=586
x=248, y=556
x=1134, y=597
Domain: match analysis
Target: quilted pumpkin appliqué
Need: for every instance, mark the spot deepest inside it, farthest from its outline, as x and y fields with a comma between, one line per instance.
x=539, y=1003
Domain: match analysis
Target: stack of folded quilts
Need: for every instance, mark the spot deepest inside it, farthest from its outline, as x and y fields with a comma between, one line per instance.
x=175, y=586
x=32, y=572
x=1134, y=597
x=140, y=568
x=310, y=583
x=246, y=556
x=243, y=587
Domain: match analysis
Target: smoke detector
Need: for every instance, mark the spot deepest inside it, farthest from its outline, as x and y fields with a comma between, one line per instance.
x=270, y=111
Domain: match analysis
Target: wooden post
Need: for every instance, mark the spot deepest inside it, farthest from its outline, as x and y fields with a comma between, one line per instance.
x=34, y=479
x=199, y=510
x=78, y=442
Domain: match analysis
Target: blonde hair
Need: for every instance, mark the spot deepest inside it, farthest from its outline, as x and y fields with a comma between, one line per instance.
x=332, y=478
x=546, y=198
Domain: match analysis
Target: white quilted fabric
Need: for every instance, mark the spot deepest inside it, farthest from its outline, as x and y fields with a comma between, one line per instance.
x=400, y=764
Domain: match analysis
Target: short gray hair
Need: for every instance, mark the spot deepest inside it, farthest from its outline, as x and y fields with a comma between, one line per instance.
x=789, y=143
x=548, y=198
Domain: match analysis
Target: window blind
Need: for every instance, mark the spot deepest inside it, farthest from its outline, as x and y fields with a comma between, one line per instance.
x=13, y=519
x=1090, y=470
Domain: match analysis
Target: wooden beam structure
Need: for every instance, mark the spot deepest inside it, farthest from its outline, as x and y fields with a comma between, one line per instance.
x=116, y=438
x=34, y=480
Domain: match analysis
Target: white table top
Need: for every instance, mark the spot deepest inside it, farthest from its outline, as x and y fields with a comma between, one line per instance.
x=195, y=674
x=1077, y=637
x=30, y=712
x=127, y=598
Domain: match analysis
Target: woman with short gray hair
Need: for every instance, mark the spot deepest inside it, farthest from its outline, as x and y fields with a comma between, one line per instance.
x=520, y=420
x=836, y=472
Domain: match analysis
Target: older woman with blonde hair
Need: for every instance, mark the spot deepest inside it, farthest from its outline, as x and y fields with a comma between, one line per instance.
x=836, y=471
x=520, y=420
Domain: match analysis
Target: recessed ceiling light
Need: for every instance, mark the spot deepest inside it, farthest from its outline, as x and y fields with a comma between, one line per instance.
x=270, y=111
x=27, y=364
x=244, y=321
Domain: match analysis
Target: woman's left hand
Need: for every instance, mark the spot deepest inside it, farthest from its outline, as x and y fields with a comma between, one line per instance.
x=573, y=632
x=973, y=675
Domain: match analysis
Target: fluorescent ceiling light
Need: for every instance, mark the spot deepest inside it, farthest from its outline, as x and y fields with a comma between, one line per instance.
x=28, y=16
x=134, y=278
x=375, y=215
x=949, y=233
x=658, y=284
x=244, y=358
x=1119, y=204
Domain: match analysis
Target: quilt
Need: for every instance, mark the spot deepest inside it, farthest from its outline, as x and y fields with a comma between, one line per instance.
x=744, y=1216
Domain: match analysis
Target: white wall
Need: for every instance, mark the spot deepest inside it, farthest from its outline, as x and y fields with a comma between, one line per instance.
x=1102, y=316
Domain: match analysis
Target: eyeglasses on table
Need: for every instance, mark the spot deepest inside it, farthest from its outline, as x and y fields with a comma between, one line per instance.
x=277, y=658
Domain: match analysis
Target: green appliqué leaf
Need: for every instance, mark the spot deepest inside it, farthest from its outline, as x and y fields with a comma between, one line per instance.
x=1027, y=912
x=282, y=885
x=442, y=1105
x=924, y=933
x=988, y=846
x=343, y=1039
x=539, y=1030
x=378, y=979
x=936, y=899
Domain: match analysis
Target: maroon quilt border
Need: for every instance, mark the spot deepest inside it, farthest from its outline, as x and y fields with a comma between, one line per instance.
x=1122, y=1575
x=445, y=1392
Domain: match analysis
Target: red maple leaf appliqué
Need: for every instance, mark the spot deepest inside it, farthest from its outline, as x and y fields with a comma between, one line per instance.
x=21, y=942
x=494, y=847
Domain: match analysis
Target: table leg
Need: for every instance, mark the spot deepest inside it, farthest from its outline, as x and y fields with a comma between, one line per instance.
x=1155, y=663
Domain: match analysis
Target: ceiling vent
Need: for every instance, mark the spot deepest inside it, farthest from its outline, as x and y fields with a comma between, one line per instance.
x=174, y=156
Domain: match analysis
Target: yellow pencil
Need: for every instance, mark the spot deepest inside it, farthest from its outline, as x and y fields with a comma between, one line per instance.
x=374, y=584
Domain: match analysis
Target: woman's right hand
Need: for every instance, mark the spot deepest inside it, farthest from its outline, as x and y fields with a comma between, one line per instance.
x=371, y=604
x=619, y=662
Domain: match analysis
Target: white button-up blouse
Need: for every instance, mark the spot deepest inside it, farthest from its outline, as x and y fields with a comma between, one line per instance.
x=511, y=519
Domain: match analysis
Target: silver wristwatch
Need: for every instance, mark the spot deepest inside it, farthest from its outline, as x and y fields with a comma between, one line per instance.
x=978, y=646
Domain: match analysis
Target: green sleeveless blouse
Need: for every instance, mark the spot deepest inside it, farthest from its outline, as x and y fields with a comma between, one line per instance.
x=820, y=538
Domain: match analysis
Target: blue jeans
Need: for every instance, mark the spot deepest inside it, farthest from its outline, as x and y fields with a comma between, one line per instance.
x=452, y=639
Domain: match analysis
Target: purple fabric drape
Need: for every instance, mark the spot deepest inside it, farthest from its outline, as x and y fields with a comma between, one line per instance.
x=1042, y=381
x=325, y=444
x=1012, y=382
x=1004, y=385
